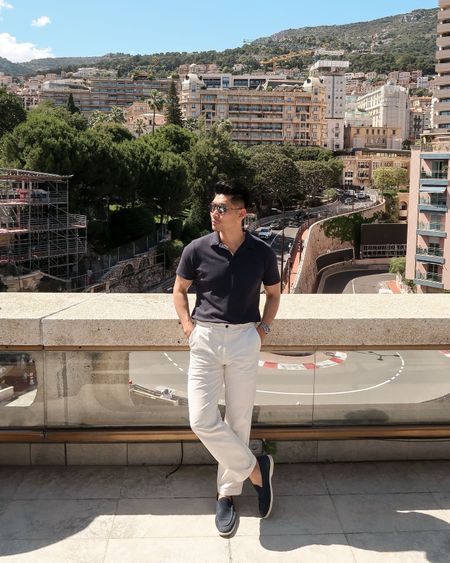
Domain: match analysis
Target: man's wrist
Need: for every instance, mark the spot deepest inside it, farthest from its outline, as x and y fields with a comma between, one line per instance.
x=265, y=327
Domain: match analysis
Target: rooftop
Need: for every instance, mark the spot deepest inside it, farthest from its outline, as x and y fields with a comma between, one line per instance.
x=344, y=512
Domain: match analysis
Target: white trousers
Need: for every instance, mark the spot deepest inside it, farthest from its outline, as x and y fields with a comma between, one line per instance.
x=224, y=355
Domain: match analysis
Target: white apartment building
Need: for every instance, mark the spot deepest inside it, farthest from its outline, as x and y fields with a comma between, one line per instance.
x=332, y=74
x=389, y=107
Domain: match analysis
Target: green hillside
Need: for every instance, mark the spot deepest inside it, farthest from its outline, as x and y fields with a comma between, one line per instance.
x=402, y=42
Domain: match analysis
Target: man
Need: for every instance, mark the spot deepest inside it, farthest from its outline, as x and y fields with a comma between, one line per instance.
x=225, y=333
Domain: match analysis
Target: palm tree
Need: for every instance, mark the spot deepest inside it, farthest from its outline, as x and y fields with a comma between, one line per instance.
x=155, y=102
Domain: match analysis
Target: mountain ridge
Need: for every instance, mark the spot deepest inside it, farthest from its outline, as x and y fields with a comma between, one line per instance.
x=401, y=42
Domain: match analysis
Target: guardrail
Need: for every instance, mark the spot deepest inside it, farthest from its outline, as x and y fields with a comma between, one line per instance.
x=113, y=367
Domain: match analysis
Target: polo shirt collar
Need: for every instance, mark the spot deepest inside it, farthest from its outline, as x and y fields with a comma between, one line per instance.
x=248, y=240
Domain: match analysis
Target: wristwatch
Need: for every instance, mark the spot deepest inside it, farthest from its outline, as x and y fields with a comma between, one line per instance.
x=265, y=327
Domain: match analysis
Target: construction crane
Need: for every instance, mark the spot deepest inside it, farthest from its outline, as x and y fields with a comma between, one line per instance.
x=281, y=58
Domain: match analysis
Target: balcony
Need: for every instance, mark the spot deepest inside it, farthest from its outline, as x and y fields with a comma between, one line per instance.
x=438, y=205
x=431, y=229
x=430, y=279
x=390, y=384
x=441, y=174
x=431, y=255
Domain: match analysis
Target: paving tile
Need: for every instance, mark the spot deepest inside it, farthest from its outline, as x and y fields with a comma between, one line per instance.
x=436, y=474
x=407, y=547
x=298, y=479
x=390, y=512
x=307, y=548
x=375, y=477
x=10, y=479
x=56, y=519
x=151, y=482
x=71, y=483
x=307, y=514
x=162, y=550
x=3, y=505
x=41, y=551
x=164, y=518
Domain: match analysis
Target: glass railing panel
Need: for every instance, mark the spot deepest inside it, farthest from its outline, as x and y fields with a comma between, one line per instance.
x=384, y=388
x=21, y=389
x=150, y=388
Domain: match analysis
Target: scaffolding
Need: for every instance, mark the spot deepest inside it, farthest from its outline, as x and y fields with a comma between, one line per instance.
x=37, y=231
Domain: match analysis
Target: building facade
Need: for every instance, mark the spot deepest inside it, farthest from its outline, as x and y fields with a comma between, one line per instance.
x=360, y=166
x=280, y=113
x=388, y=107
x=359, y=137
x=332, y=74
x=441, y=109
x=101, y=94
x=428, y=254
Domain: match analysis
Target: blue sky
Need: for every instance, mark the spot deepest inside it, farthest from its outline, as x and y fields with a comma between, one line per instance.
x=31, y=29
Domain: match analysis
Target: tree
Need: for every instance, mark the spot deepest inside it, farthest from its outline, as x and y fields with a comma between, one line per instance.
x=173, y=110
x=12, y=112
x=71, y=107
x=387, y=177
x=277, y=176
x=44, y=143
x=215, y=156
x=347, y=228
x=397, y=266
x=155, y=102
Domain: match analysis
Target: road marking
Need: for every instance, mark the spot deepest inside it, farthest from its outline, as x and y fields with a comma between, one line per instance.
x=173, y=362
x=339, y=392
x=335, y=359
x=353, y=285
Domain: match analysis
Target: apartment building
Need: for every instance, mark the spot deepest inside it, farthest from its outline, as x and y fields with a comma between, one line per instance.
x=332, y=74
x=360, y=136
x=281, y=112
x=428, y=254
x=101, y=94
x=362, y=163
x=441, y=109
x=428, y=249
x=419, y=116
x=389, y=107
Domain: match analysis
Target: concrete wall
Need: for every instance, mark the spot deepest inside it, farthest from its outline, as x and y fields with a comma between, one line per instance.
x=318, y=243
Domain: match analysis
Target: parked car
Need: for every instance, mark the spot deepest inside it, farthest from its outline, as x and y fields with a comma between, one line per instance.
x=276, y=225
x=348, y=201
x=362, y=196
x=265, y=232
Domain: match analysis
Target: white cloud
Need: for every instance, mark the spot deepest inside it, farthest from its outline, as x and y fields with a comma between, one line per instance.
x=21, y=52
x=40, y=21
x=6, y=5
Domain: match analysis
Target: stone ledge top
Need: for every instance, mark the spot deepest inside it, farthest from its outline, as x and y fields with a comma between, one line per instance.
x=146, y=320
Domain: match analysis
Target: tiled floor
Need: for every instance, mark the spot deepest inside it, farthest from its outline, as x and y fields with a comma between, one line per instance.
x=343, y=512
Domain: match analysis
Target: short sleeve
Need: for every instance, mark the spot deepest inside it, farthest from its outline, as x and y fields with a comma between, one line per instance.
x=186, y=268
x=271, y=273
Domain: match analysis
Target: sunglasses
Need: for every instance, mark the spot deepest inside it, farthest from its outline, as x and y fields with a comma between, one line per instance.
x=221, y=208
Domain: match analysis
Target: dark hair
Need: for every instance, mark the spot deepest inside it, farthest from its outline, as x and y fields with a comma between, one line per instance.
x=234, y=188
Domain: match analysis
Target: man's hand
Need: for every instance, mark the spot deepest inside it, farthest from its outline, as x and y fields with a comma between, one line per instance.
x=262, y=334
x=187, y=327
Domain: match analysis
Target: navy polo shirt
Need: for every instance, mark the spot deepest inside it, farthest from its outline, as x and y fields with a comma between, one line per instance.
x=228, y=285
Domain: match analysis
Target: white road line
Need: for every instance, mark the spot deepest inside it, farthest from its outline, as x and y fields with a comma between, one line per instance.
x=353, y=286
x=337, y=392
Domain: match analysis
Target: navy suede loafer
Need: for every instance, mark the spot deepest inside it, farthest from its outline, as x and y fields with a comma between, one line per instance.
x=265, y=493
x=225, y=516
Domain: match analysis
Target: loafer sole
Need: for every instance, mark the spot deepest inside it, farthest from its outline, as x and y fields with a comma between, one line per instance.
x=270, y=486
x=226, y=534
